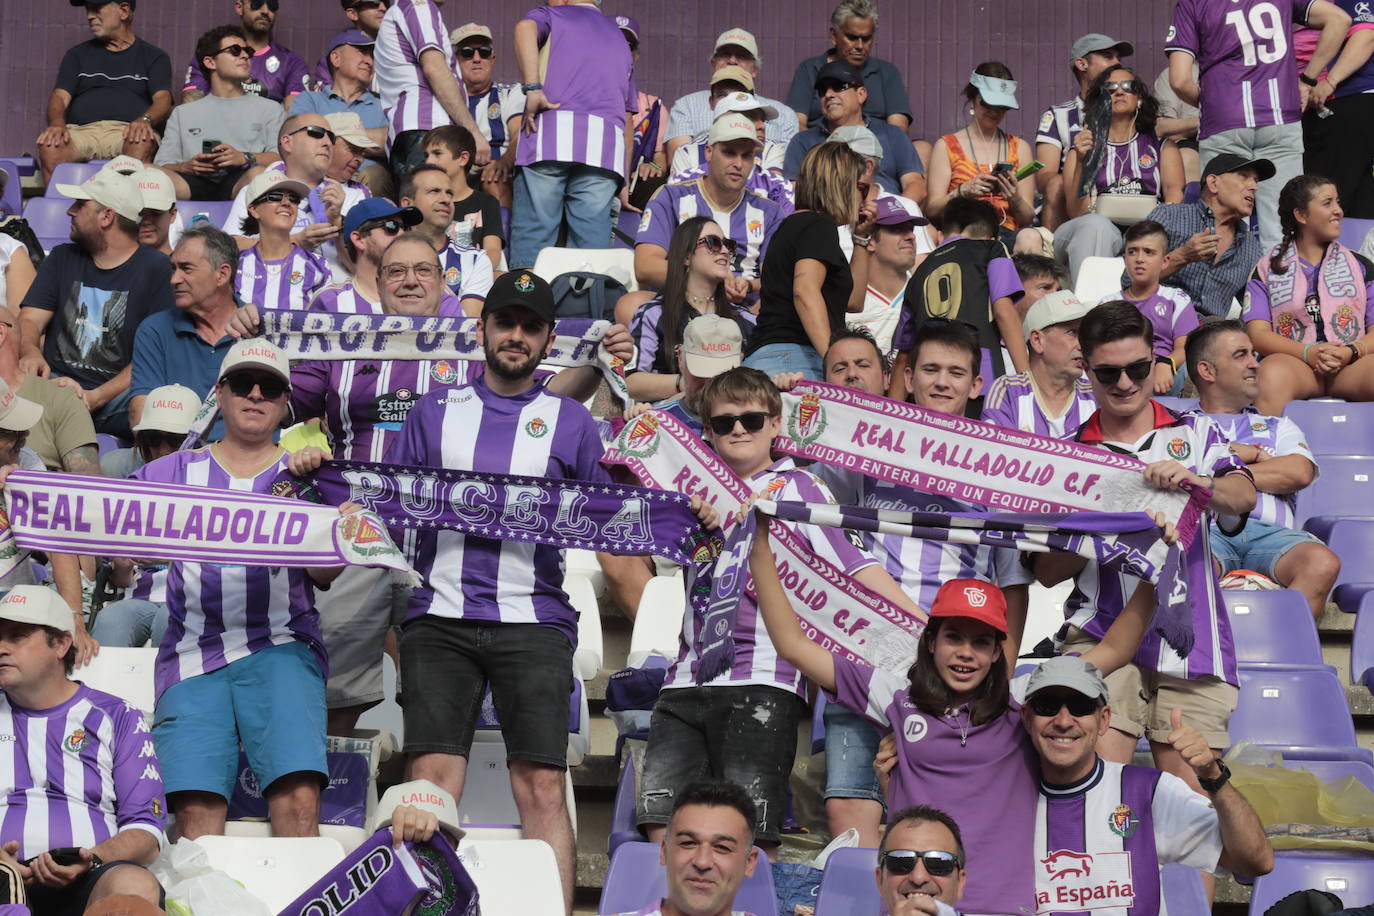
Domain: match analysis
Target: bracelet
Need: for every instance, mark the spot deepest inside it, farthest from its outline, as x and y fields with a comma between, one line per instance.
x=1305, y=348
x=144, y=117
x=1354, y=352
x=1330, y=82
x=656, y=167
x=1170, y=361
x=530, y=87
x=862, y=241
x=1306, y=80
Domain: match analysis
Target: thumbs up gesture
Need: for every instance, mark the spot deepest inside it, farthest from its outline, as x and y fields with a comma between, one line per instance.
x=1192, y=747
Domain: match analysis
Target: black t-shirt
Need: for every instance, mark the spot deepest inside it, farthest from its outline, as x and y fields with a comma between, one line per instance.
x=484, y=213
x=808, y=234
x=110, y=85
x=96, y=312
x=951, y=284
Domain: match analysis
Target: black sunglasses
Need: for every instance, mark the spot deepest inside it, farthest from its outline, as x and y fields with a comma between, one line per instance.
x=236, y=50
x=276, y=197
x=243, y=383
x=272, y=5
x=314, y=132
x=937, y=862
x=716, y=244
x=1048, y=705
x=483, y=51
x=724, y=424
x=369, y=4
x=1137, y=371
x=1134, y=87
x=836, y=85
x=389, y=226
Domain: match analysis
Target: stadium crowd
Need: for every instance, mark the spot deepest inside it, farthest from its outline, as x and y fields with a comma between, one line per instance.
x=781, y=242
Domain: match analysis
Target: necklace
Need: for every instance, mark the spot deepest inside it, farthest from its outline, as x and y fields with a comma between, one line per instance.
x=700, y=300
x=963, y=729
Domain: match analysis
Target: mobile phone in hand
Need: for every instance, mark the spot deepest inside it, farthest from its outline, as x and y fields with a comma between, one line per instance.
x=208, y=146
x=63, y=855
x=1002, y=168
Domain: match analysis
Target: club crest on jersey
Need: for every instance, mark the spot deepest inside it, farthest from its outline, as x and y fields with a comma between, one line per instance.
x=76, y=742
x=1258, y=426
x=1123, y=821
x=452, y=276
x=640, y=438
x=808, y=422
x=444, y=372
x=755, y=229
x=1178, y=449
x=157, y=807
x=493, y=111
x=273, y=64
x=524, y=283
x=1046, y=120
x=537, y=428
x=296, y=278
x=644, y=223
x=1147, y=160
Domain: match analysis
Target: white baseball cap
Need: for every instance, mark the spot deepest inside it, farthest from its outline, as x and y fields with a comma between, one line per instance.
x=739, y=38
x=348, y=126
x=109, y=189
x=256, y=353
x=1054, y=308
x=17, y=414
x=38, y=605
x=712, y=345
x=733, y=126
x=157, y=189
x=422, y=794
x=470, y=30
x=124, y=165
x=272, y=180
x=744, y=102
x=858, y=138
x=169, y=409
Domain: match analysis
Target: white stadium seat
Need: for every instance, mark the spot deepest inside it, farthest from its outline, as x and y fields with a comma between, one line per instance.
x=276, y=870
x=124, y=672
x=587, y=658
x=658, y=622
x=519, y=876
x=1098, y=277
x=613, y=262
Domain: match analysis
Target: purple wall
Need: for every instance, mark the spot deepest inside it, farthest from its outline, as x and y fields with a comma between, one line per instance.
x=934, y=44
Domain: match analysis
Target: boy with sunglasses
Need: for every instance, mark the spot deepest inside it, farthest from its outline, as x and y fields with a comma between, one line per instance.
x=1180, y=452
x=1105, y=829
x=277, y=72
x=921, y=864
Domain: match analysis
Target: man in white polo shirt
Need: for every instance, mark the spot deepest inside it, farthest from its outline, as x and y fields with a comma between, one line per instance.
x=894, y=249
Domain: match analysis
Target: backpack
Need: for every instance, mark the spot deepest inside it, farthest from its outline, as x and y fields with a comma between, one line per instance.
x=19, y=229
x=586, y=294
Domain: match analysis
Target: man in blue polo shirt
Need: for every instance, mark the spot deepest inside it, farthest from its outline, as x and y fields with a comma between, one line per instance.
x=186, y=345
x=853, y=32
x=349, y=58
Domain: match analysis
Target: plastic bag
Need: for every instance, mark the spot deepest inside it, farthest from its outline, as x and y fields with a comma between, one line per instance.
x=1297, y=800
x=194, y=888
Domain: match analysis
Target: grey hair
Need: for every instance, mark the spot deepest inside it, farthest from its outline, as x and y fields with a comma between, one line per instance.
x=220, y=247
x=854, y=9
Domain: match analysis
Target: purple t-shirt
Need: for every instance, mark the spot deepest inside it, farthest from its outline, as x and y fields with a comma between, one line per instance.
x=277, y=72
x=1171, y=313
x=986, y=775
x=588, y=73
x=1244, y=60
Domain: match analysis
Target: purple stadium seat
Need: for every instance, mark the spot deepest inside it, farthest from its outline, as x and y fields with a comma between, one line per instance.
x=1183, y=891
x=1333, y=427
x=1354, y=230
x=1332, y=770
x=627, y=229
x=1345, y=489
x=1349, y=877
x=71, y=173
x=1273, y=629
x=847, y=885
x=107, y=443
x=12, y=196
x=635, y=878
x=1362, y=645
x=47, y=217
x=27, y=165
x=1353, y=541
x=216, y=211
x=1178, y=405
x=623, y=827
x=1276, y=709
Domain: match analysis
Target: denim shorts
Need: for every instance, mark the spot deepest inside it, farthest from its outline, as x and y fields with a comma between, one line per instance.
x=271, y=701
x=1259, y=546
x=746, y=734
x=446, y=665
x=773, y=359
x=851, y=743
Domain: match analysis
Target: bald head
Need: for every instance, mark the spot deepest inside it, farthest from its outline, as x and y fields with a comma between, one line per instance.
x=306, y=144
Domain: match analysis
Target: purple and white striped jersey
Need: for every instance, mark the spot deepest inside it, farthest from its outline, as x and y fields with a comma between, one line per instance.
x=646, y=327
x=587, y=71
x=1130, y=167
x=219, y=614
x=656, y=909
x=535, y=433
x=1099, y=594
x=751, y=223
x=408, y=29
x=1014, y=401
x=1245, y=63
x=1278, y=436
x=765, y=183
x=467, y=270
x=287, y=283
x=77, y=773
x=1060, y=123
x=1102, y=840
x=756, y=661
x=150, y=584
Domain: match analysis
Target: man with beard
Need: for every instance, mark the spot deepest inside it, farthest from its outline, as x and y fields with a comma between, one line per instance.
x=277, y=72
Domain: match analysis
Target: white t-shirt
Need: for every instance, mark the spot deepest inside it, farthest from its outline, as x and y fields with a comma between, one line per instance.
x=9, y=247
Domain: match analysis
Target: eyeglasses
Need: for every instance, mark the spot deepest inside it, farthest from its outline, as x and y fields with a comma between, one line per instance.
x=1048, y=705
x=259, y=4
x=388, y=225
x=937, y=862
x=315, y=132
x=716, y=244
x=483, y=51
x=1134, y=87
x=1137, y=371
x=276, y=197
x=396, y=273
x=724, y=424
x=834, y=86
x=243, y=383
x=236, y=51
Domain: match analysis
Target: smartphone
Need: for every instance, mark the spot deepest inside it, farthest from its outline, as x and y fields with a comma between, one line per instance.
x=1029, y=169
x=63, y=855
x=1002, y=168
x=208, y=146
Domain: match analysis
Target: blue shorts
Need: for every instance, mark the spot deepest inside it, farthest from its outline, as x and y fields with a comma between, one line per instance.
x=851, y=743
x=1259, y=546
x=271, y=701
x=773, y=359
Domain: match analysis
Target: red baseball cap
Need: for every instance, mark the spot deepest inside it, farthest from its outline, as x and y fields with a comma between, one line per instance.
x=972, y=598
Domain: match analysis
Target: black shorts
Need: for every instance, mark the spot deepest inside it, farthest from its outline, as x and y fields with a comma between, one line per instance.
x=445, y=667
x=71, y=900
x=213, y=187
x=407, y=152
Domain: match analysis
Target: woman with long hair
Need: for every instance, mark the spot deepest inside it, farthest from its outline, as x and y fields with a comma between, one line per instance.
x=807, y=282
x=1310, y=304
x=981, y=160
x=1132, y=169
x=699, y=259
x=274, y=272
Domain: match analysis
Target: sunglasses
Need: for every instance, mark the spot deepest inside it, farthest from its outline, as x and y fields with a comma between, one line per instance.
x=483, y=51
x=272, y=5
x=937, y=862
x=724, y=424
x=242, y=385
x=236, y=51
x=834, y=86
x=1134, y=87
x=1048, y=705
x=715, y=244
x=1137, y=371
x=314, y=132
x=370, y=4
x=389, y=226
x=276, y=197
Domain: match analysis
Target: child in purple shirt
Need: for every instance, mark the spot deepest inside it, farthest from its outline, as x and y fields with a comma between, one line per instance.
x=1169, y=309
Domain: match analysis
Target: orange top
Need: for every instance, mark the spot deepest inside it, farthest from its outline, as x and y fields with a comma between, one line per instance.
x=963, y=168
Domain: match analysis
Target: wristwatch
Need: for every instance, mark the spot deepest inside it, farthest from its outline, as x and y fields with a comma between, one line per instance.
x=249, y=160
x=96, y=862
x=1210, y=786
x=144, y=117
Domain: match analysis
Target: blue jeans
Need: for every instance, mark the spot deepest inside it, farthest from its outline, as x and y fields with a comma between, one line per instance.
x=773, y=359
x=549, y=193
x=851, y=743
x=130, y=622
x=1281, y=144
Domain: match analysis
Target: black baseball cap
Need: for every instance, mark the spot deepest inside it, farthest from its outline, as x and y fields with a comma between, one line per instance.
x=840, y=72
x=1222, y=163
x=101, y=2
x=523, y=289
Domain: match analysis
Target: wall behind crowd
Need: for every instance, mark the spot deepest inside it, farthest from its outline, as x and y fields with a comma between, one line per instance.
x=934, y=44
